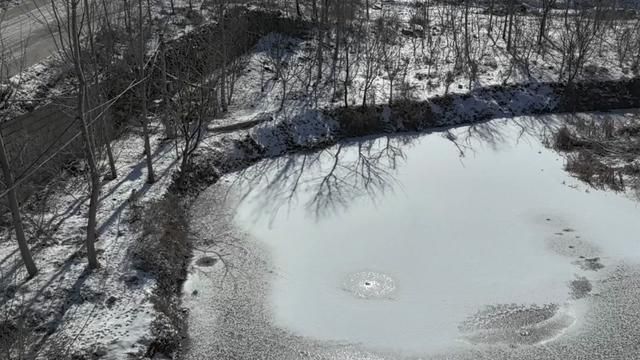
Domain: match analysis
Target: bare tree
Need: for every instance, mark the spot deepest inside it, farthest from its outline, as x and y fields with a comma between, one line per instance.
x=142, y=90
x=576, y=42
x=169, y=123
x=279, y=57
x=194, y=104
x=100, y=59
x=72, y=20
x=546, y=7
x=321, y=35
x=6, y=93
x=394, y=64
x=82, y=88
x=372, y=53
x=14, y=206
x=507, y=32
x=627, y=43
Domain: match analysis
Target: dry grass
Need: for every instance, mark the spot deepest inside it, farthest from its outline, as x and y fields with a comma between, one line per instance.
x=603, y=154
x=360, y=121
x=164, y=250
x=565, y=140
x=590, y=169
x=402, y=115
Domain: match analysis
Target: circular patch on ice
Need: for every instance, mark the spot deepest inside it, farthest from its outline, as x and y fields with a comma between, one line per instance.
x=516, y=324
x=206, y=261
x=370, y=285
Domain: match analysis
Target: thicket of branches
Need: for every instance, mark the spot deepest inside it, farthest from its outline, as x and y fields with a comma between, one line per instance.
x=376, y=41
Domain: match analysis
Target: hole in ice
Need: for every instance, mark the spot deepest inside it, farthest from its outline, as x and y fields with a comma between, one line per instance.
x=370, y=285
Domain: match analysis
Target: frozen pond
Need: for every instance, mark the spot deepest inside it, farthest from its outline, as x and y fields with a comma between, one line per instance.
x=420, y=244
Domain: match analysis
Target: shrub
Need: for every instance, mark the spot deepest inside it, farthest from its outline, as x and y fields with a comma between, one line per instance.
x=564, y=140
x=594, y=172
x=361, y=121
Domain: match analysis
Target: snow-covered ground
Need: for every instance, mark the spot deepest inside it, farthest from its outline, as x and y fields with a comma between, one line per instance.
x=425, y=66
x=107, y=308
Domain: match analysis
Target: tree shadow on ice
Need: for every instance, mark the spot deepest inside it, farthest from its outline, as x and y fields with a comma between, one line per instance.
x=327, y=181
x=505, y=132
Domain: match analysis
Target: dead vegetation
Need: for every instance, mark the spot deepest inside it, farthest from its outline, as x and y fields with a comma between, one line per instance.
x=604, y=154
x=164, y=250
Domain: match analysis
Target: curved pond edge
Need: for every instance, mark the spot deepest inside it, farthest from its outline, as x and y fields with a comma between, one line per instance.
x=312, y=130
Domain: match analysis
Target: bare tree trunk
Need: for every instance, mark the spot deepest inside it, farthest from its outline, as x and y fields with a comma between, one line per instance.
x=112, y=163
x=547, y=5
x=284, y=93
x=314, y=7
x=223, y=84
x=490, y=26
x=467, y=37
x=322, y=34
x=143, y=98
x=151, y=177
x=510, y=30
x=223, y=75
x=25, y=253
x=89, y=146
x=504, y=26
x=96, y=84
x=127, y=17
x=336, y=46
x=106, y=14
x=367, y=8
x=169, y=124
x=346, y=75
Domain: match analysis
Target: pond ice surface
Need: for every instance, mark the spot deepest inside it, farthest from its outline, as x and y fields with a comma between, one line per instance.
x=394, y=243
